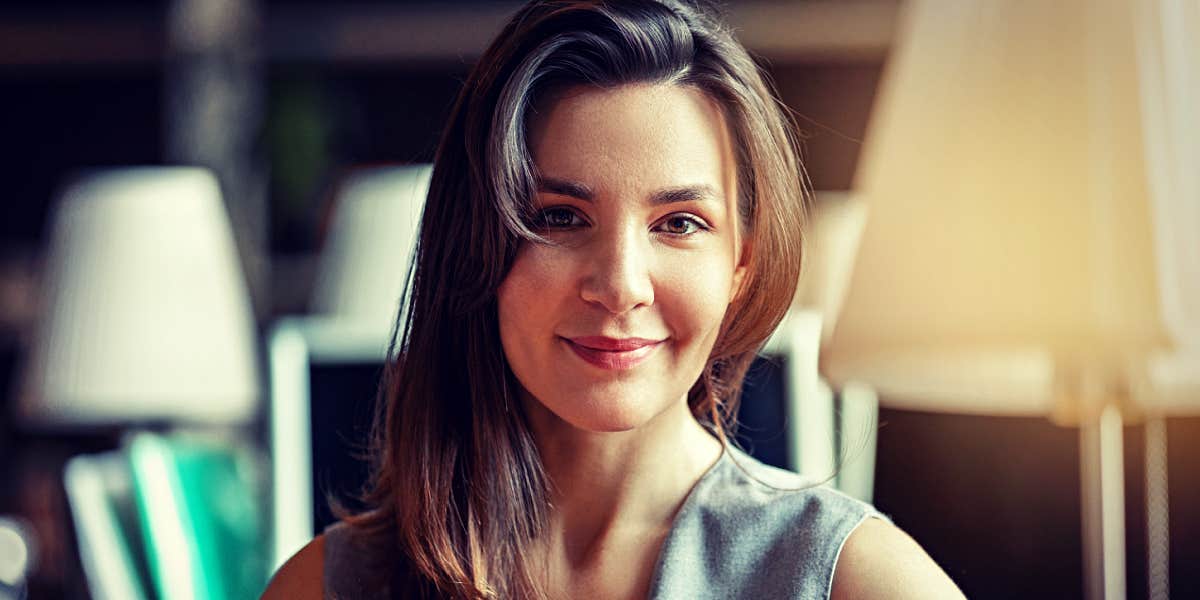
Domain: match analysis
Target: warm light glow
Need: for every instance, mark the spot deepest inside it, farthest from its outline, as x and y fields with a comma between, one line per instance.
x=1010, y=210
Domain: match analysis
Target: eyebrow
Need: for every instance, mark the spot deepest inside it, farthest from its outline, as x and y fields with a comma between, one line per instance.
x=563, y=187
x=686, y=193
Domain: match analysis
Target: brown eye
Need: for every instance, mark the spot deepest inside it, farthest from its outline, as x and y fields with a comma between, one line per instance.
x=682, y=225
x=559, y=218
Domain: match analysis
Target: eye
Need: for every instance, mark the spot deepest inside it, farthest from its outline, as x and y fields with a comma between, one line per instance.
x=559, y=217
x=682, y=225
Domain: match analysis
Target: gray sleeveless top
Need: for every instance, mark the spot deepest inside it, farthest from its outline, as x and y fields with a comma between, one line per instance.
x=746, y=530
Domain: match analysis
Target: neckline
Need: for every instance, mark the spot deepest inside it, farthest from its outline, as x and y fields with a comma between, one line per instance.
x=686, y=506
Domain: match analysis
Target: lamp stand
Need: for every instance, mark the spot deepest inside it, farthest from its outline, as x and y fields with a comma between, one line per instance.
x=1101, y=462
x=1158, y=541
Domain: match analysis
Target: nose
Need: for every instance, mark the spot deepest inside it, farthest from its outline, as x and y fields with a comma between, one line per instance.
x=618, y=272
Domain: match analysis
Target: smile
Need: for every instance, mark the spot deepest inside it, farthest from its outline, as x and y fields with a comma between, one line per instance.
x=613, y=354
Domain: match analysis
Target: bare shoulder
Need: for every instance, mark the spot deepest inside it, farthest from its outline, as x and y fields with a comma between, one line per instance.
x=881, y=561
x=301, y=577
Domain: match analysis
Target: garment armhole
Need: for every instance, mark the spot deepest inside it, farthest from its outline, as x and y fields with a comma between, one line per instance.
x=837, y=556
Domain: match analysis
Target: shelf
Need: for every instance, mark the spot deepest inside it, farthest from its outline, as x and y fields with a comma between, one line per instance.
x=824, y=30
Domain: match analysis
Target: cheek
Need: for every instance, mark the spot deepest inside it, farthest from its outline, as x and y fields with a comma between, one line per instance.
x=527, y=298
x=694, y=294
x=536, y=275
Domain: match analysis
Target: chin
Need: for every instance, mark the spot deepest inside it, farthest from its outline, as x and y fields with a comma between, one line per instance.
x=610, y=416
x=611, y=423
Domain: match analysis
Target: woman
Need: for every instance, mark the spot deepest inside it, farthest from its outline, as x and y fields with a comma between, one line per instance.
x=612, y=231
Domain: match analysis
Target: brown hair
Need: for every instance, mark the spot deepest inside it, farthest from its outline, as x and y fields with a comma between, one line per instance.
x=457, y=488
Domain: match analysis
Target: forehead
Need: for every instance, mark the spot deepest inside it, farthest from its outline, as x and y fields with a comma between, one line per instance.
x=632, y=138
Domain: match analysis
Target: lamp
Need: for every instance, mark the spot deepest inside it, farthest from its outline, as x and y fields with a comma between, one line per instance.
x=1023, y=176
x=364, y=264
x=826, y=442
x=146, y=314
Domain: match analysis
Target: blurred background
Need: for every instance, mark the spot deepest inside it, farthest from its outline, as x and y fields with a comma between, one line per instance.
x=209, y=204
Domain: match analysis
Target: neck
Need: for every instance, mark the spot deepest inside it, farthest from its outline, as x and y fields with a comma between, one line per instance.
x=607, y=484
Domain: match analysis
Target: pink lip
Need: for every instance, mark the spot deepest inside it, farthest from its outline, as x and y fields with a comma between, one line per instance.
x=612, y=353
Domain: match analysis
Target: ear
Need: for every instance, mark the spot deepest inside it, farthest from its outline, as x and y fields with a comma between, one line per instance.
x=740, y=272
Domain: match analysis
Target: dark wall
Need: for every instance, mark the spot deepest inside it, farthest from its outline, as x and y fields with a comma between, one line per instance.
x=57, y=120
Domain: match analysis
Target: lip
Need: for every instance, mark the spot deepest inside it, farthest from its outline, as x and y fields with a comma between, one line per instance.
x=612, y=353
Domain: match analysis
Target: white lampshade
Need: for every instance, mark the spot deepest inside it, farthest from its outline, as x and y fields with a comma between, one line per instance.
x=1031, y=174
x=1012, y=223
x=146, y=312
x=363, y=266
x=831, y=246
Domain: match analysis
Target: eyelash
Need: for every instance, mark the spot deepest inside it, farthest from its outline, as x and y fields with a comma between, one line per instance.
x=692, y=220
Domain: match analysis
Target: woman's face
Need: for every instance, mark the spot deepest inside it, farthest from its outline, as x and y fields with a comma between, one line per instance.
x=613, y=323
